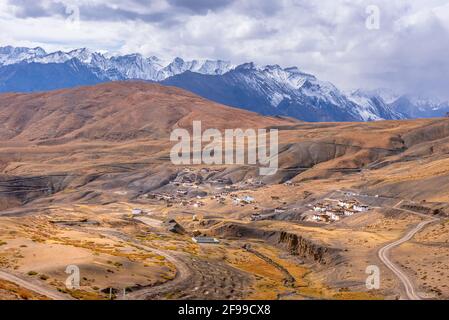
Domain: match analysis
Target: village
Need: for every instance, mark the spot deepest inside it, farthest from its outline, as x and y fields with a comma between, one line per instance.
x=334, y=210
x=195, y=188
x=191, y=188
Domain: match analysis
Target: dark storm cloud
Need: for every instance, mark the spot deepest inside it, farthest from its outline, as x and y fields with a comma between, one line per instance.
x=104, y=12
x=98, y=12
x=120, y=10
x=201, y=6
x=36, y=8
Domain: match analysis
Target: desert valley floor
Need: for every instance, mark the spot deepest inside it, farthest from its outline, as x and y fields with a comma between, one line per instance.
x=86, y=181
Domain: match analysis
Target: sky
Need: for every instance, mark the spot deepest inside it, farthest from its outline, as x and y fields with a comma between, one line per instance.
x=398, y=44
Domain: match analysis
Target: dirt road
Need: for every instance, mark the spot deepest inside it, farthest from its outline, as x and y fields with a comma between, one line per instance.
x=52, y=294
x=383, y=254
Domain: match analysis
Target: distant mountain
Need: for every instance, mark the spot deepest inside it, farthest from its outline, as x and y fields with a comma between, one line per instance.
x=272, y=90
x=11, y=55
x=28, y=77
x=276, y=91
x=420, y=107
x=269, y=90
x=373, y=105
x=132, y=66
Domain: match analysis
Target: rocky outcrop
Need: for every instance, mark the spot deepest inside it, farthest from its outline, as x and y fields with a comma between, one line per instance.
x=305, y=248
x=435, y=131
x=17, y=190
x=289, y=280
x=294, y=243
x=173, y=226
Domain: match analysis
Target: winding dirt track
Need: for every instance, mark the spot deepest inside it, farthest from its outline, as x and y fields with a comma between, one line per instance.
x=195, y=277
x=52, y=294
x=182, y=275
x=383, y=254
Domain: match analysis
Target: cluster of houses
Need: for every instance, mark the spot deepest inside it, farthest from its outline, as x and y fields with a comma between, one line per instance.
x=259, y=216
x=220, y=181
x=291, y=183
x=247, y=184
x=251, y=183
x=179, y=197
x=334, y=211
x=160, y=196
x=194, y=203
x=220, y=197
x=268, y=214
x=241, y=201
x=192, y=185
x=188, y=183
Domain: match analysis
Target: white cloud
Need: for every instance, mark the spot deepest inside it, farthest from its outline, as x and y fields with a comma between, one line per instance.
x=326, y=37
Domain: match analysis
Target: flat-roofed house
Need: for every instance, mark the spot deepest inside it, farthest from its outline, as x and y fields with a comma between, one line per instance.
x=136, y=211
x=205, y=240
x=361, y=208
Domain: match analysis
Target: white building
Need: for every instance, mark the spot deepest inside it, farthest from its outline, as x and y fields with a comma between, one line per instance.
x=316, y=217
x=248, y=199
x=205, y=240
x=344, y=204
x=332, y=215
x=319, y=209
x=361, y=208
x=136, y=211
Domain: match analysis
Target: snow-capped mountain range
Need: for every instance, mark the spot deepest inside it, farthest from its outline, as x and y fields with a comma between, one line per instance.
x=270, y=89
x=132, y=66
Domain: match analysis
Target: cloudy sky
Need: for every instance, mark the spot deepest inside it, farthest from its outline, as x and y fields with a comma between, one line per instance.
x=338, y=40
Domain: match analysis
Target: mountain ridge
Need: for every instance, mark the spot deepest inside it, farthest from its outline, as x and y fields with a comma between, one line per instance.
x=268, y=90
x=115, y=111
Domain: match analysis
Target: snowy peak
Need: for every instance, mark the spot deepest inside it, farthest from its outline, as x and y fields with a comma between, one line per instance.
x=291, y=77
x=372, y=106
x=405, y=105
x=424, y=102
x=135, y=66
x=83, y=55
x=268, y=89
x=86, y=56
x=130, y=66
x=387, y=95
x=11, y=55
x=213, y=67
x=210, y=67
x=293, y=93
x=420, y=107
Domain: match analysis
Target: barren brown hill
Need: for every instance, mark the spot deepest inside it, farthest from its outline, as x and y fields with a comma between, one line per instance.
x=116, y=111
x=75, y=163
x=86, y=143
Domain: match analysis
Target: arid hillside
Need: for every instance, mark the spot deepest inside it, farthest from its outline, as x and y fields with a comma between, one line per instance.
x=118, y=111
x=76, y=165
x=85, y=142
